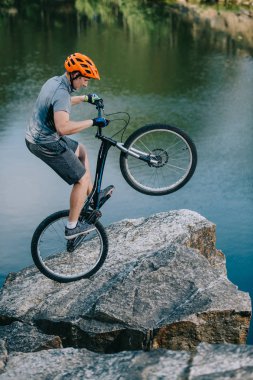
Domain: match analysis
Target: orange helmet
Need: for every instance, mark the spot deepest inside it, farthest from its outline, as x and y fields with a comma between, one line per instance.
x=83, y=64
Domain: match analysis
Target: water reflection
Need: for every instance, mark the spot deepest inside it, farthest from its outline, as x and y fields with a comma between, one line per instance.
x=158, y=72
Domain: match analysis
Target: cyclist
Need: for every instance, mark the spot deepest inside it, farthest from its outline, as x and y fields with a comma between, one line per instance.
x=49, y=125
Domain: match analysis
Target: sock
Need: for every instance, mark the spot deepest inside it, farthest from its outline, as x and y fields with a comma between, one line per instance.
x=71, y=225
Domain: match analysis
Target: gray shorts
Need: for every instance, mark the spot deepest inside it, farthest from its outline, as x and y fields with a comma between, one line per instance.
x=60, y=156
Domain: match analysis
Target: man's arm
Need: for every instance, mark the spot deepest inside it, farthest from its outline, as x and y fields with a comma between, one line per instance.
x=90, y=98
x=64, y=126
x=78, y=99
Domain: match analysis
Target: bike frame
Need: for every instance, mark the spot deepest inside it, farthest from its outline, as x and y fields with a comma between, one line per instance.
x=106, y=144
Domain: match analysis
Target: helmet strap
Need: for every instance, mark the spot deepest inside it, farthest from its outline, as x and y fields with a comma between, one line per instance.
x=72, y=78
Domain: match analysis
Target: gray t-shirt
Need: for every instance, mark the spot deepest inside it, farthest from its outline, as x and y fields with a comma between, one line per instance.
x=54, y=96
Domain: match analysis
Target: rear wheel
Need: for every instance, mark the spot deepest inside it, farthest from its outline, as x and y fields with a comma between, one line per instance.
x=175, y=155
x=68, y=260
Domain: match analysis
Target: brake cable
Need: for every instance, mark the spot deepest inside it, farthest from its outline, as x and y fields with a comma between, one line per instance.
x=123, y=129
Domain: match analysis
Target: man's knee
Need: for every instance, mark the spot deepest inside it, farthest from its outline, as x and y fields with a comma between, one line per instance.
x=84, y=180
x=81, y=152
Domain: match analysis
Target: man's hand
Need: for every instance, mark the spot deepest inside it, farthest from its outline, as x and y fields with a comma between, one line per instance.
x=92, y=98
x=100, y=122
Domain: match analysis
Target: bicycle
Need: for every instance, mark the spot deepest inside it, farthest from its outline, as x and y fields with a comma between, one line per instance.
x=156, y=159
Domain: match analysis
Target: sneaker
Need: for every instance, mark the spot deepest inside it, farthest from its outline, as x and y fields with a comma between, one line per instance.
x=81, y=228
x=104, y=195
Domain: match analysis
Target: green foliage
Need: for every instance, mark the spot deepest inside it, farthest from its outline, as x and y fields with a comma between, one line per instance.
x=139, y=16
x=224, y=4
x=94, y=8
x=7, y=3
x=32, y=9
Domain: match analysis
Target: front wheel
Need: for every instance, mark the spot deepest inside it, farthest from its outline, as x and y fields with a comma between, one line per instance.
x=175, y=159
x=68, y=260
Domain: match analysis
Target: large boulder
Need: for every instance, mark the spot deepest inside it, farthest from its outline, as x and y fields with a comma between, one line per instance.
x=70, y=363
x=163, y=285
x=208, y=362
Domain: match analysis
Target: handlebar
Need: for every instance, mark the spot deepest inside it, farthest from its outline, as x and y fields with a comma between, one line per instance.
x=99, y=106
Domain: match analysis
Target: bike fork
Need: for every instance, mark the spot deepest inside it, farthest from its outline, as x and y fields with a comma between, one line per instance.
x=150, y=158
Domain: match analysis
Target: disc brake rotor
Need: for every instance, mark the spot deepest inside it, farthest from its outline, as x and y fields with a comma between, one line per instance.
x=161, y=156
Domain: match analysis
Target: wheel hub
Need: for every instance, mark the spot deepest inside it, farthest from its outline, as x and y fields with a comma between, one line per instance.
x=161, y=156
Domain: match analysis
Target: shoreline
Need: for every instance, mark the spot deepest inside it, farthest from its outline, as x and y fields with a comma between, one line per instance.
x=235, y=22
x=238, y=25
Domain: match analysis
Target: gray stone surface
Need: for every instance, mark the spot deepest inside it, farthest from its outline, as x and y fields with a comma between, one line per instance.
x=80, y=364
x=20, y=337
x=163, y=285
x=222, y=362
x=209, y=362
x=3, y=355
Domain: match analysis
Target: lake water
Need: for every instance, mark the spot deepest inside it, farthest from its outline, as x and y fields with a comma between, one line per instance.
x=158, y=69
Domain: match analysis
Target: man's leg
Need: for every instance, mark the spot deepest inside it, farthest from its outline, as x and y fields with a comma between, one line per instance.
x=82, y=188
x=79, y=193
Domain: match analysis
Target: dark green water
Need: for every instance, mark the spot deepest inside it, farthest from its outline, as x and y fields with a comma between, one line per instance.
x=156, y=67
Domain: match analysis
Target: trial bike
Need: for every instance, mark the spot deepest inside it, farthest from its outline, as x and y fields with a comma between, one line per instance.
x=156, y=159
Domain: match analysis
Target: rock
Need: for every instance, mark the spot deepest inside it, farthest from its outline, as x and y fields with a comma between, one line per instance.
x=163, y=285
x=222, y=362
x=21, y=337
x=208, y=362
x=81, y=364
x=3, y=355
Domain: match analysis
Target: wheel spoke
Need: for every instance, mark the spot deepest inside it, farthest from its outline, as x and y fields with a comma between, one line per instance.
x=175, y=167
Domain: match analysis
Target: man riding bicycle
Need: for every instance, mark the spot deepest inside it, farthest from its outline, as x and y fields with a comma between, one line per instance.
x=49, y=125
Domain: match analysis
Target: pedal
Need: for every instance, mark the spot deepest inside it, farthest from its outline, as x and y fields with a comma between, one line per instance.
x=103, y=200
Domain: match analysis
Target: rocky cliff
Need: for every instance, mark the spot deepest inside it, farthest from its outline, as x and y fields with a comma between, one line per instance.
x=163, y=286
